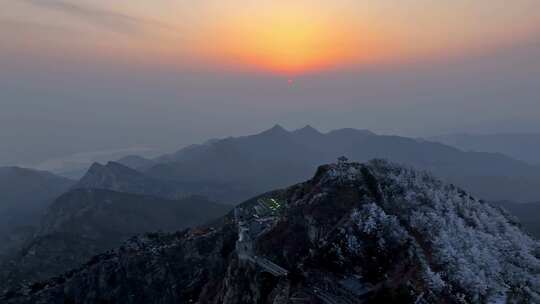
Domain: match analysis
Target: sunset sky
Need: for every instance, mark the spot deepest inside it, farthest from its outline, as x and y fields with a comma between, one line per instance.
x=292, y=37
x=151, y=70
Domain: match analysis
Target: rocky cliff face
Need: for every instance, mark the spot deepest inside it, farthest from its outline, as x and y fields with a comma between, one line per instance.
x=117, y=177
x=354, y=233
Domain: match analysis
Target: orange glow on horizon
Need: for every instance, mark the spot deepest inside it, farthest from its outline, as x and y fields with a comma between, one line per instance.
x=290, y=40
x=283, y=37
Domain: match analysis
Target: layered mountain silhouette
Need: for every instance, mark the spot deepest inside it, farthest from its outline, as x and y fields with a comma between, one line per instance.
x=136, y=162
x=24, y=196
x=354, y=233
x=277, y=157
x=118, y=177
x=312, y=227
x=85, y=222
x=522, y=146
x=527, y=213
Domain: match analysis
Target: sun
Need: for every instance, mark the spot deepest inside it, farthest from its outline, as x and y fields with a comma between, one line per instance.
x=290, y=82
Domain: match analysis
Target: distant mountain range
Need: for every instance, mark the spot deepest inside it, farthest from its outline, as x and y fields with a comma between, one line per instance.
x=233, y=169
x=24, y=197
x=75, y=165
x=55, y=224
x=528, y=215
x=277, y=157
x=118, y=177
x=353, y=233
x=521, y=146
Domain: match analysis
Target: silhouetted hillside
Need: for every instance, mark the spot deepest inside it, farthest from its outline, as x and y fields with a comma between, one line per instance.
x=85, y=222
x=117, y=177
x=276, y=157
x=527, y=213
x=24, y=196
x=522, y=146
x=136, y=162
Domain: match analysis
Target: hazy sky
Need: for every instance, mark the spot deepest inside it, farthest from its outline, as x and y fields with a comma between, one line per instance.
x=83, y=76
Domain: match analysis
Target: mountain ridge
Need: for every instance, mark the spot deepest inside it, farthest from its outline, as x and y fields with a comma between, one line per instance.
x=117, y=177
x=277, y=157
x=522, y=146
x=353, y=233
x=85, y=222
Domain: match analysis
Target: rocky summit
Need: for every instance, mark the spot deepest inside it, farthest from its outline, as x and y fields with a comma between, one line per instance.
x=354, y=233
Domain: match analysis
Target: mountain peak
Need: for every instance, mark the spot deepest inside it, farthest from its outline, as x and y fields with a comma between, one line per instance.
x=110, y=168
x=135, y=162
x=278, y=127
x=118, y=166
x=308, y=130
x=102, y=176
x=117, y=177
x=276, y=130
x=95, y=167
